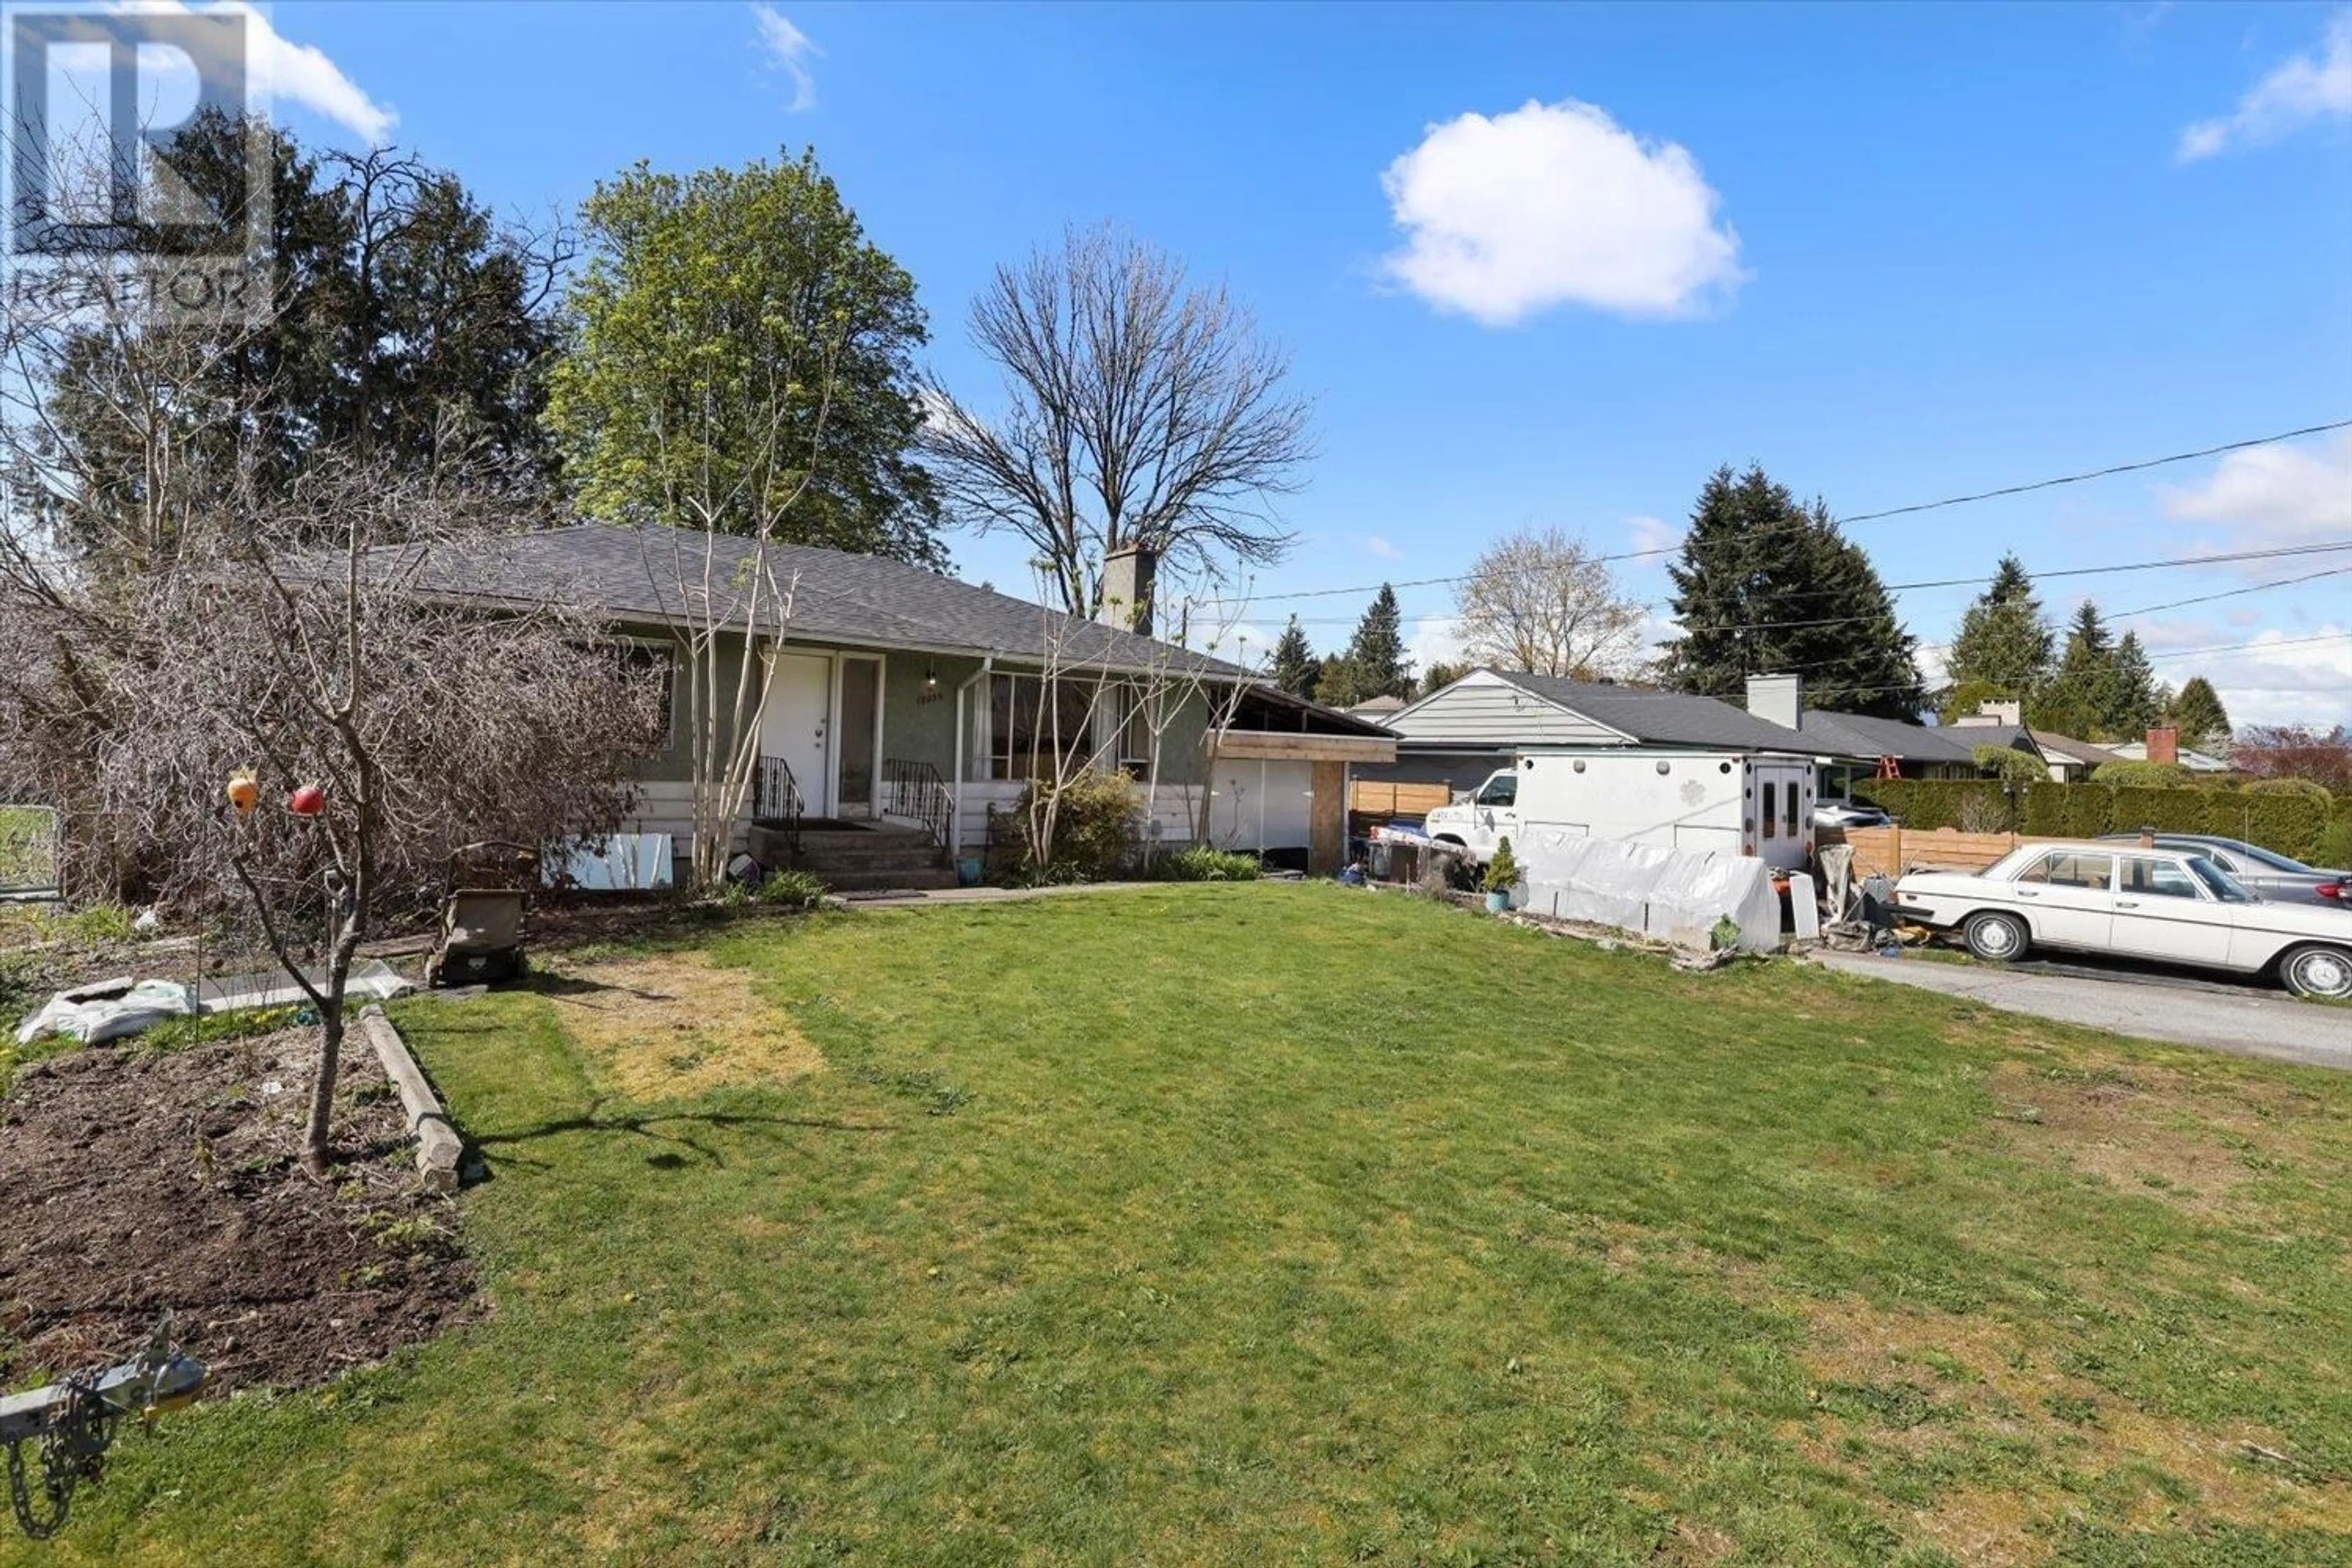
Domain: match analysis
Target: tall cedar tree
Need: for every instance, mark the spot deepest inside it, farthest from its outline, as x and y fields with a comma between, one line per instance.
x=2073, y=700
x=2003, y=642
x=1375, y=663
x=2130, y=700
x=406, y=317
x=1295, y=669
x=1764, y=585
x=737, y=339
x=2203, y=722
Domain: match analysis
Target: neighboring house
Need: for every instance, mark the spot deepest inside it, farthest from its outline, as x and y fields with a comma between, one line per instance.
x=1851, y=746
x=2164, y=746
x=903, y=697
x=1378, y=710
x=2071, y=761
x=1458, y=734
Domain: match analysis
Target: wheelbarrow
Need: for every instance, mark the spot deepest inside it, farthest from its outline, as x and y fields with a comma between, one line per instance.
x=481, y=940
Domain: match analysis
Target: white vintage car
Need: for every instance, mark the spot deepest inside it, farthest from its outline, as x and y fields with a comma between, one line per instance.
x=2170, y=905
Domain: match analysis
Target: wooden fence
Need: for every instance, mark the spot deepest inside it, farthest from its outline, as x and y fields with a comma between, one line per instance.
x=1895, y=850
x=1378, y=798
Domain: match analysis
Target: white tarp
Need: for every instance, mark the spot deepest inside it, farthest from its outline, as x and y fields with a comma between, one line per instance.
x=123, y=1010
x=1674, y=894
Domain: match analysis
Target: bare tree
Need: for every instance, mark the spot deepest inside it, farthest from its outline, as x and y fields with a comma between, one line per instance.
x=369, y=673
x=1542, y=602
x=1138, y=410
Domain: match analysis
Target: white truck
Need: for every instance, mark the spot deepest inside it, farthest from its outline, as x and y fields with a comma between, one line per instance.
x=1738, y=803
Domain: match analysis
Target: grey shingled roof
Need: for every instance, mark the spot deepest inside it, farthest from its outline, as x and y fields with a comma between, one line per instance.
x=634, y=573
x=1662, y=718
x=2066, y=746
x=1861, y=735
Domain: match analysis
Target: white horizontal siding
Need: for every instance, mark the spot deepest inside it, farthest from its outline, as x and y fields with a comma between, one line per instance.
x=1481, y=710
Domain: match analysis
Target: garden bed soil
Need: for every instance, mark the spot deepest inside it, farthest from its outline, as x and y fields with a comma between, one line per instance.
x=134, y=1182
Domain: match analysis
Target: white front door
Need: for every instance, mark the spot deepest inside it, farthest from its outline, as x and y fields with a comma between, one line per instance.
x=794, y=725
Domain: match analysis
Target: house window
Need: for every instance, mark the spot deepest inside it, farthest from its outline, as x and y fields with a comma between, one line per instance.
x=1771, y=815
x=1038, y=727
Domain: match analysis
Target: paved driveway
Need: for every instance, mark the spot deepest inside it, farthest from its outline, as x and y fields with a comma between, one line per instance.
x=2246, y=1020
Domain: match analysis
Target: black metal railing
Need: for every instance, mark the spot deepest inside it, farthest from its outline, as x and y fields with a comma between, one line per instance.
x=776, y=800
x=916, y=791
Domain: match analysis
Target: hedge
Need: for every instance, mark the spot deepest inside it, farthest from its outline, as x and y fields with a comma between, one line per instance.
x=2297, y=822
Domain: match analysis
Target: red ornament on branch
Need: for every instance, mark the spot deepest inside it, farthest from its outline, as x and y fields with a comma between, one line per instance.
x=307, y=801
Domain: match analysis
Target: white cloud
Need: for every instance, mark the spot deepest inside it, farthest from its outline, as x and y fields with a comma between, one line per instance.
x=790, y=50
x=2304, y=91
x=1436, y=639
x=1382, y=548
x=1555, y=204
x=2273, y=495
x=300, y=73
x=1648, y=534
x=2282, y=678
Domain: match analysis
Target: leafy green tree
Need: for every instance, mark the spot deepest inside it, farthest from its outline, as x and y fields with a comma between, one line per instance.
x=1375, y=664
x=1295, y=669
x=2198, y=714
x=1764, y=584
x=1441, y=675
x=2003, y=640
x=741, y=360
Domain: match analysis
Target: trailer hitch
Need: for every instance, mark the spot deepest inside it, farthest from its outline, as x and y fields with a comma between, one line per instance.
x=72, y=1421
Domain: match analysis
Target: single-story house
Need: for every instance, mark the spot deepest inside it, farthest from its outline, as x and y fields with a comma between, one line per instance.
x=1861, y=745
x=1457, y=735
x=904, y=700
x=2071, y=760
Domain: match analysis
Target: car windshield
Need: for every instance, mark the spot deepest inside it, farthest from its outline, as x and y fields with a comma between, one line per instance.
x=2226, y=888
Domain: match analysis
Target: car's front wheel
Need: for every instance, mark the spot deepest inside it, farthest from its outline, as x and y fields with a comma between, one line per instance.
x=2319, y=970
x=1995, y=936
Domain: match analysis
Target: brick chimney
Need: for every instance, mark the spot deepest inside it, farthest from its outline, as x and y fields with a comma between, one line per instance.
x=1127, y=583
x=2164, y=744
x=1777, y=699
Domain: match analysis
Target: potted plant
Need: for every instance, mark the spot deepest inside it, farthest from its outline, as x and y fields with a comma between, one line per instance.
x=1502, y=875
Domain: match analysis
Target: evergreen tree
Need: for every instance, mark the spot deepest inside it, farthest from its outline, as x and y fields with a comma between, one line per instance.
x=2129, y=701
x=1375, y=663
x=2075, y=700
x=2198, y=714
x=2003, y=642
x=1295, y=669
x=1764, y=584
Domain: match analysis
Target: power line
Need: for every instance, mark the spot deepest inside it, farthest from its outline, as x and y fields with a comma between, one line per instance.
x=2277, y=552
x=2139, y=466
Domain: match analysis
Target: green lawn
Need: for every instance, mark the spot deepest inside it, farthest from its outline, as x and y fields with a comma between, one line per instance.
x=1285, y=1223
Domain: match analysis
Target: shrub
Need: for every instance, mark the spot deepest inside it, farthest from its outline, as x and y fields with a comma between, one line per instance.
x=2128, y=774
x=1202, y=864
x=1503, y=870
x=1093, y=826
x=2011, y=766
x=791, y=890
x=1925, y=805
x=2334, y=850
x=2302, y=789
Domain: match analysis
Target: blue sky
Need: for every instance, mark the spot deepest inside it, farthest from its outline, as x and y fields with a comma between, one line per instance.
x=1551, y=265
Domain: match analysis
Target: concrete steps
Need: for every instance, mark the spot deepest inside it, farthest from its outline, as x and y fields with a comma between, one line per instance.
x=858, y=856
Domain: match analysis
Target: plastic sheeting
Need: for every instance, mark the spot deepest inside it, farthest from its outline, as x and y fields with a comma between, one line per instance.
x=93, y=1019
x=1676, y=895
